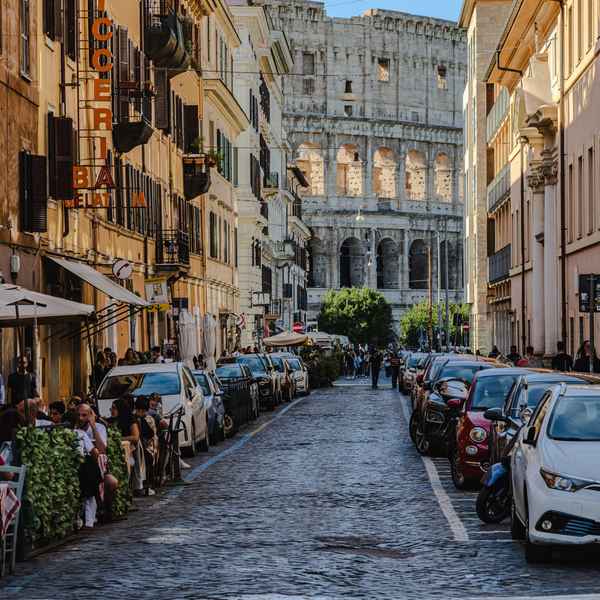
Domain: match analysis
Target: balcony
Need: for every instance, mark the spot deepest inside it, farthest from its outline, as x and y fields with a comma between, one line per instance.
x=196, y=175
x=499, y=190
x=271, y=183
x=131, y=132
x=172, y=250
x=283, y=249
x=499, y=265
x=498, y=113
x=164, y=39
x=297, y=209
x=274, y=310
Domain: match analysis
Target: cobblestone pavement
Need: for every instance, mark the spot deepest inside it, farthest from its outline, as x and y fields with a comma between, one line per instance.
x=329, y=500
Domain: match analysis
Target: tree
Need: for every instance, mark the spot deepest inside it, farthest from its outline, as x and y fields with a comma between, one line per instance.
x=415, y=322
x=362, y=314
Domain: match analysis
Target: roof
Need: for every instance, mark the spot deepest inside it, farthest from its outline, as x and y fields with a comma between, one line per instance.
x=582, y=390
x=552, y=376
x=505, y=371
x=146, y=368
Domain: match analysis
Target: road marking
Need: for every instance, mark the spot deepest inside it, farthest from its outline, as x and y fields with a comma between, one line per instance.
x=198, y=470
x=456, y=525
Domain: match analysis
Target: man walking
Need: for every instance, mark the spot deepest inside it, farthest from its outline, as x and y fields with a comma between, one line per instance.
x=375, y=363
x=22, y=384
x=395, y=367
x=562, y=361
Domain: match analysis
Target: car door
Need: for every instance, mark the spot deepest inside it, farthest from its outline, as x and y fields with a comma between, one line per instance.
x=195, y=398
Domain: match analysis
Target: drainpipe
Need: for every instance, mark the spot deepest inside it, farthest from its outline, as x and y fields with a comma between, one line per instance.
x=522, y=142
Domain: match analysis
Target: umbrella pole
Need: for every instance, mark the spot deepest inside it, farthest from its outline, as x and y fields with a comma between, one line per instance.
x=94, y=385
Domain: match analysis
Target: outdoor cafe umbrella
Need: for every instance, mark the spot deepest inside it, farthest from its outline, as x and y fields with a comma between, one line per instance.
x=286, y=338
x=188, y=338
x=210, y=341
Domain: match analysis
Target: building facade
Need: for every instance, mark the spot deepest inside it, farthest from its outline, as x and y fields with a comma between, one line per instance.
x=542, y=159
x=374, y=117
x=483, y=21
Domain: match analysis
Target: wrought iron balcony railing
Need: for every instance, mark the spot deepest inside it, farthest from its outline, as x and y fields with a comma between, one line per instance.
x=172, y=249
x=499, y=190
x=499, y=265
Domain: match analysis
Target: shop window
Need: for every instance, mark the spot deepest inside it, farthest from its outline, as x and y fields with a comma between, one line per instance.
x=308, y=63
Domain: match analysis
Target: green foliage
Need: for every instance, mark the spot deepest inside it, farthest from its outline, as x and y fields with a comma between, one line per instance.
x=362, y=314
x=323, y=368
x=118, y=468
x=51, y=497
x=414, y=322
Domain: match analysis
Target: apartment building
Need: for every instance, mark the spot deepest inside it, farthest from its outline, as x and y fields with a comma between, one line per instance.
x=542, y=159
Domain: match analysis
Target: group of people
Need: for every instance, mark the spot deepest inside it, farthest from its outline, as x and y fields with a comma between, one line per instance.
x=586, y=360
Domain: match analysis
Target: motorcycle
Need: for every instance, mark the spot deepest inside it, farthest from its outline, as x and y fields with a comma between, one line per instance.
x=432, y=429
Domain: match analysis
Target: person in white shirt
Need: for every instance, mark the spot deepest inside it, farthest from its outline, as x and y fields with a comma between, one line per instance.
x=93, y=478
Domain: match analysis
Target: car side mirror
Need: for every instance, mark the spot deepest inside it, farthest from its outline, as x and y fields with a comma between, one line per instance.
x=530, y=437
x=495, y=414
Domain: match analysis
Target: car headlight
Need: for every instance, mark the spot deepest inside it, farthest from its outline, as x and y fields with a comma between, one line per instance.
x=478, y=435
x=563, y=483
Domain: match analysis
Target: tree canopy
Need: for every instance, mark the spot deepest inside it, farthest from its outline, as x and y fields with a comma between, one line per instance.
x=415, y=321
x=362, y=314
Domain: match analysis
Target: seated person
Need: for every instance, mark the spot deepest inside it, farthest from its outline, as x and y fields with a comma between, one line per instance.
x=57, y=413
x=94, y=480
x=149, y=439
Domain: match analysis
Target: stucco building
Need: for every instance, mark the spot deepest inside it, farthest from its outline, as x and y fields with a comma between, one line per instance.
x=374, y=117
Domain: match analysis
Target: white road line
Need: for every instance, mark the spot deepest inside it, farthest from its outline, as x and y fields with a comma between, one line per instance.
x=456, y=525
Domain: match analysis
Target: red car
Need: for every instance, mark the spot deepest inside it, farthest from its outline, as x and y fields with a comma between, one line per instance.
x=469, y=454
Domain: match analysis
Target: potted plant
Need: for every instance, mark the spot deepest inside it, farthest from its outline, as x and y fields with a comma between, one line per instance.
x=214, y=158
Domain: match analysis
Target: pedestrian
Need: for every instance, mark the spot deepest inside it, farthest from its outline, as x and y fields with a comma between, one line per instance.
x=395, y=362
x=101, y=368
x=562, y=361
x=375, y=361
x=495, y=353
x=513, y=356
x=21, y=384
x=587, y=359
x=57, y=412
x=156, y=356
x=129, y=359
x=533, y=361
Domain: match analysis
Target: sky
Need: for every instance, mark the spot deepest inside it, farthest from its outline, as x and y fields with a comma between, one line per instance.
x=445, y=9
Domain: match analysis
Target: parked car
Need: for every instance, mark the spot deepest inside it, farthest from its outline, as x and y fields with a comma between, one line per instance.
x=469, y=451
x=266, y=377
x=177, y=388
x=213, y=400
x=408, y=374
x=288, y=382
x=240, y=397
x=556, y=472
x=520, y=404
x=300, y=374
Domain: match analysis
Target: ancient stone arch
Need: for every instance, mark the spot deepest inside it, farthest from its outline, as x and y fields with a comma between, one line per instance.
x=416, y=175
x=443, y=178
x=387, y=264
x=352, y=263
x=310, y=161
x=384, y=173
x=349, y=171
x=418, y=265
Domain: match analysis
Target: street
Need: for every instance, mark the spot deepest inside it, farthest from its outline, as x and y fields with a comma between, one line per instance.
x=324, y=499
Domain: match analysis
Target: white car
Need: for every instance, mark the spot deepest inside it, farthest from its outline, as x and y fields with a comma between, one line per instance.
x=556, y=472
x=177, y=388
x=300, y=375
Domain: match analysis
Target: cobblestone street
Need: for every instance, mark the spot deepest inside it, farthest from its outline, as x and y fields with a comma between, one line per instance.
x=327, y=500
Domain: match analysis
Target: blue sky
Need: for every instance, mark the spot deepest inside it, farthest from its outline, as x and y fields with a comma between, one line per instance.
x=445, y=9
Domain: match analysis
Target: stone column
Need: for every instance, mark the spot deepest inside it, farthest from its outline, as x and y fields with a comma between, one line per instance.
x=330, y=170
x=535, y=180
x=368, y=171
x=551, y=253
x=405, y=266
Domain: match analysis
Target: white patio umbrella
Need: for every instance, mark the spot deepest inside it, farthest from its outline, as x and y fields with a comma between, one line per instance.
x=199, y=330
x=287, y=338
x=210, y=342
x=188, y=338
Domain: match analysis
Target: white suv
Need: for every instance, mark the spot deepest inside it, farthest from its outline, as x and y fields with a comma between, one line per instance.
x=556, y=472
x=177, y=388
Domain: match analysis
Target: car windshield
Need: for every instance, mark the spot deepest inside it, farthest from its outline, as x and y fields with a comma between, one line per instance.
x=278, y=363
x=294, y=364
x=229, y=371
x=575, y=419
x=254, y=363
x=413, y=361
x=202, y=381
x=140, y=384
x=458, y=371
x=492, y=392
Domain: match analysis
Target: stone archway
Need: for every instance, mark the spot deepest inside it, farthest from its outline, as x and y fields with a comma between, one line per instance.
x=352, y=263
x=387, y=264
x=418, y=266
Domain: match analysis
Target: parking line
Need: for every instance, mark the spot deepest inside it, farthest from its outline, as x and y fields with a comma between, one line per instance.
x=456, y=525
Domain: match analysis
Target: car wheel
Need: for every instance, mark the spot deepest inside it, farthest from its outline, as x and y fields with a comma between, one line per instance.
x=458, y=478
x=517, y=529
x=421, y=441
x=228, y=427
x=204, y=445
x=489, y=508
x=534, y=553
x=412, y=427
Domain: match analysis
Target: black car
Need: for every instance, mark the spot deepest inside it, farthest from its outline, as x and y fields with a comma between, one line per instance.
x=266, y=376
x=239, y=400
x=520, y=404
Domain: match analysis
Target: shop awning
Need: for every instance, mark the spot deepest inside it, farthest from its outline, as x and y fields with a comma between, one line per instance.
x=287, y=338
x=20, y=306
x=100, y=282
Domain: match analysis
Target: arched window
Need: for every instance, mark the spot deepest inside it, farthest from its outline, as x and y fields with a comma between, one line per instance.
x=387, y=264
x=384, y=173
x=416, y=175
x=352, y=263
x=310, y=162
x=418, y=266
x=443, y=178
x=349, y=171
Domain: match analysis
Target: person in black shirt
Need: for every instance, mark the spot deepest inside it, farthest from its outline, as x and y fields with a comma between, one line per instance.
x=562, y=361
x=514, y=356
x=21, y=384
x=587, y=360
x=375, y=361
x=395, y=367
x=495, y=353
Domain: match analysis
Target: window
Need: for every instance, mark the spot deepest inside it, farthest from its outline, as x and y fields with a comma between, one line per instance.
x=214, y=243
x=348, y=110
x=571, y=203
x=24, y=37
x=348, y=87
x=442, y=81
x=579, y=31
x=71, y=28
x=591, y=196
x=52, y=19
x=579, y=196
x=590, y=21
x=308, y=63
x=308, y=87
x=33, y=193
x=569, y=35
x=383, y=69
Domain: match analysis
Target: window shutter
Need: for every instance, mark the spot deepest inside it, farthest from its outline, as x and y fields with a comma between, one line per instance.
x=147, y=102
x=37, y=213
x=161, y=106
x=51, y=156
x=139, y=78
x=58, y=20
x=123, y=57
x=64, y=158
x=191, y=129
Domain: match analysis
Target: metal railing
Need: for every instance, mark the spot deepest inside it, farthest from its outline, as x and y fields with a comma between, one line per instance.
x=499, y=264
x=271, y=180
x=173, y=247
x=499, y=189
x=498, y=113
